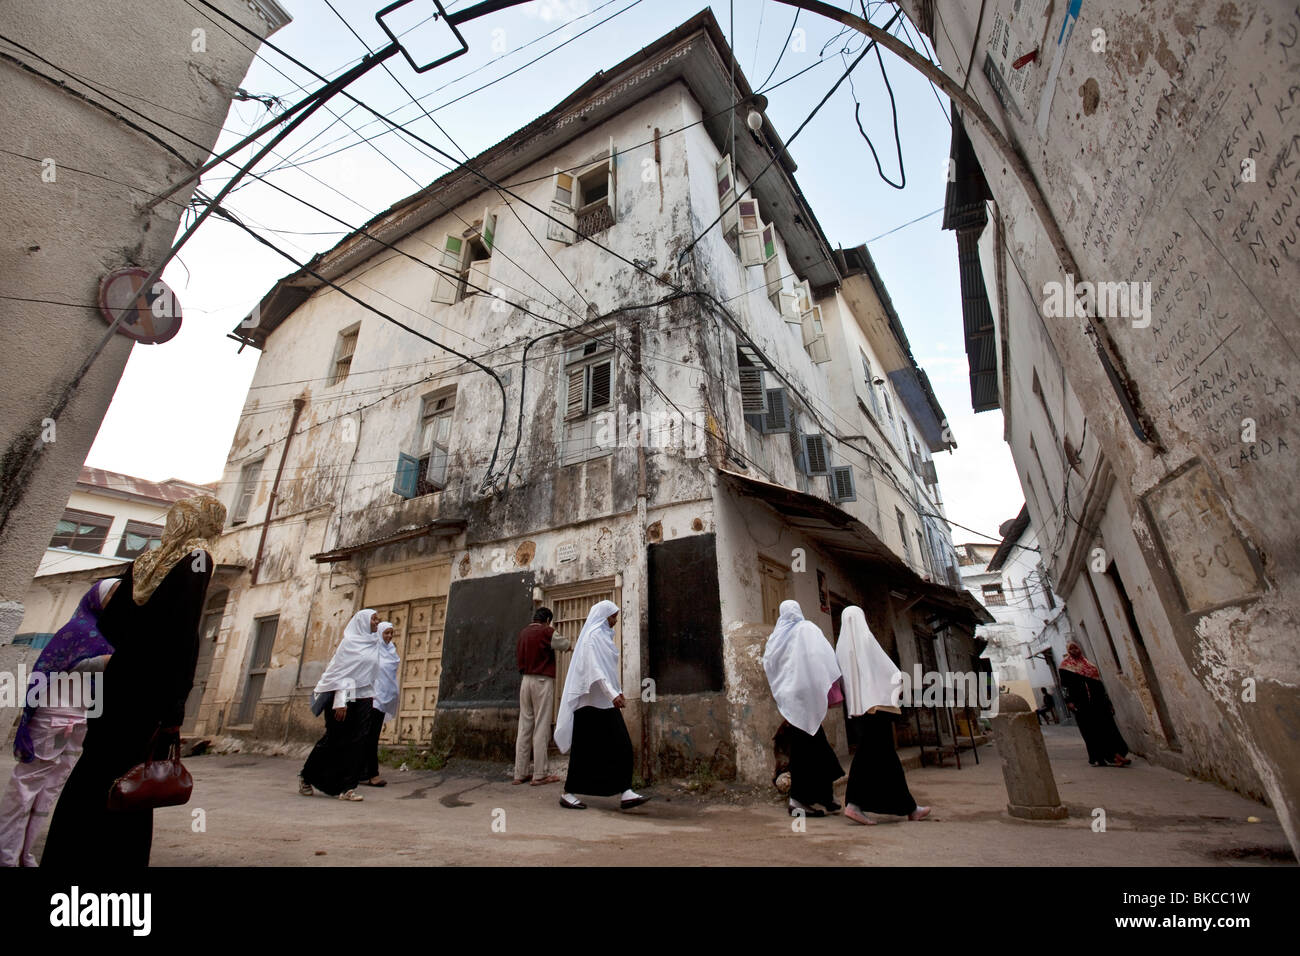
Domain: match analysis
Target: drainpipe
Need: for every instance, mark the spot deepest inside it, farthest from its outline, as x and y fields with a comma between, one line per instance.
x=298, y=403
x=643, y=578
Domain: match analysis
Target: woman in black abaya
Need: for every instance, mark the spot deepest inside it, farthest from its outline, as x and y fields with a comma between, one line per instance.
x=152, y=621
x=801, y=670
x=1085, y=696
x=590, y=725
x=876, y=780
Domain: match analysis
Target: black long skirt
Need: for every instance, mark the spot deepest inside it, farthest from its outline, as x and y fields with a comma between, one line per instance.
x=334, y=764
x=600, y=760
x=370, y=766
x=814, y=768
x=1100, y=735
x=876, y=780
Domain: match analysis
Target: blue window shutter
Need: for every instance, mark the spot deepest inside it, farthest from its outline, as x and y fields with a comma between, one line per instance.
x=408, y=475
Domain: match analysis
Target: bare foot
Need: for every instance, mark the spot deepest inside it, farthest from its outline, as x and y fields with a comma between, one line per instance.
x=857, y=816
x=920, y=813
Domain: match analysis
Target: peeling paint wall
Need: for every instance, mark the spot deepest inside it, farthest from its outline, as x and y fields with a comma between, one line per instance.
x=565, y=524
x=1164, y=137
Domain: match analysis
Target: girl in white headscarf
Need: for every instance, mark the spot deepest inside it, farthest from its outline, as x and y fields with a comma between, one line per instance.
x=385, y=704
x=802, y=671
x=872, y=683
x=345, y=693
x=590, y=723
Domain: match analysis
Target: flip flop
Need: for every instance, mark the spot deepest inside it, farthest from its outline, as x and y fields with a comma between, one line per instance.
x=549, y=778
x=381, y=783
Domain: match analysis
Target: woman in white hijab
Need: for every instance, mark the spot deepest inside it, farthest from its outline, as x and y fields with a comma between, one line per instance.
x=590, y=723
x=385, y=704
x=872, y=683
x=345, y=693
x=802, y=671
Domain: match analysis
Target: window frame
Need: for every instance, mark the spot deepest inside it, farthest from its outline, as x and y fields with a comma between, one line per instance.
x=154, y=533
x=83, y=517
x=444, y=402
x=247, y=488
x=248, y=702
x=351, y=333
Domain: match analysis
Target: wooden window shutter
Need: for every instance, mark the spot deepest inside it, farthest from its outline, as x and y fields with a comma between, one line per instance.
x=797, y=451
x=562, y=209
x=841, y=481
x=612, y=194
x=777, y=418
x=601, y=382
x=815, y=446
x=444, y=286
x=753, y=397
x=575, y=405
x=408, y=475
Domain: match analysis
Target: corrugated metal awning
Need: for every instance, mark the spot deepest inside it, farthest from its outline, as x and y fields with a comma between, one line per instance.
x=848, y=538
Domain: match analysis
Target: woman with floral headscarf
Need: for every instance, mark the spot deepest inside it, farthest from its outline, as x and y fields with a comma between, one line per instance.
x=1085, y=696
x=590, y=722
x=152, y=621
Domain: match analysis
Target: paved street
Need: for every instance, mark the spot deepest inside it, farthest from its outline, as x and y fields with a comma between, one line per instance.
x=1155, y=817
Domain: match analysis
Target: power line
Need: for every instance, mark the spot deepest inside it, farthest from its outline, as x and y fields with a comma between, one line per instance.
x=682, y=255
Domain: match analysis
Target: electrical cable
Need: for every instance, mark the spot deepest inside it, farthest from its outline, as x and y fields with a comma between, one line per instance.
x=225, y=214
x=871, y=44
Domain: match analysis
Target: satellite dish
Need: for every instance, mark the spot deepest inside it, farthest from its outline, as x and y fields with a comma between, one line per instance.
x=152, y=316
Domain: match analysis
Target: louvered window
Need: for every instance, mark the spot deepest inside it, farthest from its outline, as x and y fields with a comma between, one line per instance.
x=841, y=482
x=777, y=417
x=815, y=450
x=588, y=392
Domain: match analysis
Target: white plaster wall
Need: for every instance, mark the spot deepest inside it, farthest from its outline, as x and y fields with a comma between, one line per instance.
x=62, y=236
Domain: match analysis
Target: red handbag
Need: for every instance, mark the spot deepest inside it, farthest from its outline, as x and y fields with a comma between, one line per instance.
x=154, y=783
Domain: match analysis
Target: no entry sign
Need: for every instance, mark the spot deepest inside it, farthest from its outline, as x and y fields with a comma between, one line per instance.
x=152, y=315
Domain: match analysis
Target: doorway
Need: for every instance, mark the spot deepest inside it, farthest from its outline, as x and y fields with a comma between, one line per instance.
x=417, y=635
x=774, y=581
x=1144, y=659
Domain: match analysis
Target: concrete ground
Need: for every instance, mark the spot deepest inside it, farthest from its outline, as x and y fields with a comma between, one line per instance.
x=470, y=814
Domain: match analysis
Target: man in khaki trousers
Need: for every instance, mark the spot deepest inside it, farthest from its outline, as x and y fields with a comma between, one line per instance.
x=535, y=653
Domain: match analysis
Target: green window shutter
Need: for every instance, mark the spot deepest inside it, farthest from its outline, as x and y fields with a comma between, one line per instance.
x=408, y=475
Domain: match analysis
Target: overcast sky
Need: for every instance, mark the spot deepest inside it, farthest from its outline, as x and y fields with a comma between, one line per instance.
x=222, y=273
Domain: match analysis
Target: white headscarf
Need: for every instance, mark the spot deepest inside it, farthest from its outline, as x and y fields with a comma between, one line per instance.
x=356, y=662
x=869, y=674
x=800, y=667
x=595, y=658
x=386, y=691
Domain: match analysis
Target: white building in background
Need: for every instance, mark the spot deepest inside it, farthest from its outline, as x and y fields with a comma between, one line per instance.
x=110, y=519
x=1033, y=628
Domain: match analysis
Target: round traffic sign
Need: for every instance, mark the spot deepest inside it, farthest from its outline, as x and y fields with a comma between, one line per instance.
x=152, y=315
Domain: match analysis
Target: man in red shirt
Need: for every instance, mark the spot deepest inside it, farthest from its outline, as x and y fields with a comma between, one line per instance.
x=535, y=654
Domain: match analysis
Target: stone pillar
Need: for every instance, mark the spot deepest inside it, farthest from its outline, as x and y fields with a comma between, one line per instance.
x=1031, y=788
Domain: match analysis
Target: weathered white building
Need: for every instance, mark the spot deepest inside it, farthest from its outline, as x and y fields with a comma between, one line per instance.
x=696, y=430
x=110, y=519
x=1032, y=626
x=105, y=104
x=1130, y=305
